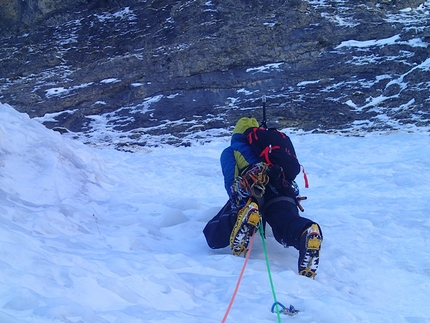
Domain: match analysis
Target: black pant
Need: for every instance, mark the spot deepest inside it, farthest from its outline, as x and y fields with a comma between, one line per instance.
x=280, y=213
x=217, y=231
x=287, y=225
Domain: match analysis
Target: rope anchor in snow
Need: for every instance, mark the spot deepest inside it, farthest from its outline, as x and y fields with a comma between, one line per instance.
x=284, y=310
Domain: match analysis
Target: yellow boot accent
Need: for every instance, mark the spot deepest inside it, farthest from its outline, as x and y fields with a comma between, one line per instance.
x=314, y=240
x=248, y=218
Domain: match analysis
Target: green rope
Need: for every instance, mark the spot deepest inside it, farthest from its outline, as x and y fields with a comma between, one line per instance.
x=260, y=228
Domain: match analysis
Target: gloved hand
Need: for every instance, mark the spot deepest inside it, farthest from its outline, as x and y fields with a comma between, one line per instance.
x=295, y=188
x=274, y=172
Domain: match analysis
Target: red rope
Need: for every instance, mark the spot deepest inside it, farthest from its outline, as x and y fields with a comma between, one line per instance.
x=239, y=280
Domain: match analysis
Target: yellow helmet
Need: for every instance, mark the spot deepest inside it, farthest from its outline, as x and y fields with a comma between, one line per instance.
x=245, y=123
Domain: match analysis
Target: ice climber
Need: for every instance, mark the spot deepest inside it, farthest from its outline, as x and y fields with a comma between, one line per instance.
x=258, y=190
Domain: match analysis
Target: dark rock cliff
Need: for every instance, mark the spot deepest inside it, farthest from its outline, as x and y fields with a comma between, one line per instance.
x=179, y=67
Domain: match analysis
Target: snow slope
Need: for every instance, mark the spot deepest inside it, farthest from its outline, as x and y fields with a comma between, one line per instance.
x=98, y=235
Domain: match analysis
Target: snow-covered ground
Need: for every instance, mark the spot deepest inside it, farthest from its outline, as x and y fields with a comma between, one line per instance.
x=98, y=235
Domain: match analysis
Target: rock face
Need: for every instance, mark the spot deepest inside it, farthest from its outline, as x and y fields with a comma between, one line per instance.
x=176, y=68
x=17, y=15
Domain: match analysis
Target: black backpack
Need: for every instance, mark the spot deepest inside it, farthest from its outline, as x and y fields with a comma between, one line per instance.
x=275, y=148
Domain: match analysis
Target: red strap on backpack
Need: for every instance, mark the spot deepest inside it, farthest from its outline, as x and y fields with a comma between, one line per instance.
x=252, y=135
x=305, y=177
x=265, y=153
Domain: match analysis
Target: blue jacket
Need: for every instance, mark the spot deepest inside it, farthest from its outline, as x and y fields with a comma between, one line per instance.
x=239, y=155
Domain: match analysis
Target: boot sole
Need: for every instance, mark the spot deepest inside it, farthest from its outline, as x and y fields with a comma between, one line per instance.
x=243, y=231
x=311, y=258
